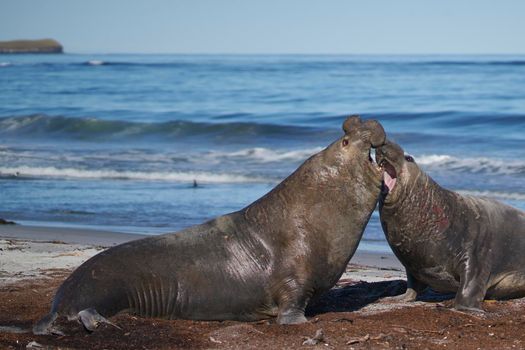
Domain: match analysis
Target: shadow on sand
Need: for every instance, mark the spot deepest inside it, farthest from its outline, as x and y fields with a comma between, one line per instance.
x=354, y=296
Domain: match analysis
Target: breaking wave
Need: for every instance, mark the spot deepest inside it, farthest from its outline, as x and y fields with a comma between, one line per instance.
x=482, y=165
x=86, y=129
x=24, y=172
x=266, y=155
x=515, y=196
x=95, y=63
x=258, y=155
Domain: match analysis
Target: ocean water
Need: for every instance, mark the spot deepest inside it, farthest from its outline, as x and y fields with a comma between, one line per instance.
x=116, y=141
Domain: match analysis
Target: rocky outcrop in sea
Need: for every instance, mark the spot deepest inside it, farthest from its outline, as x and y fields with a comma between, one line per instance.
x=31, y=46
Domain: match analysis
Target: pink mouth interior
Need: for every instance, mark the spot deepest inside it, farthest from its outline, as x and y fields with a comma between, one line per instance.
x=390, y=181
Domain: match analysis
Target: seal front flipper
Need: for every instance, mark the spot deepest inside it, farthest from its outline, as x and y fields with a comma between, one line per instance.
x=291, y=316
x=414, y=288
x=472, y=288
x=294, y=298
x=90, y=318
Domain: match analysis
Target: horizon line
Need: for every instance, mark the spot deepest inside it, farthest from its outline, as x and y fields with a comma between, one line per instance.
x=293, y=53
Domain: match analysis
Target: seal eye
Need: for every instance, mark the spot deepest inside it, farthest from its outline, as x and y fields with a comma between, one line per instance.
x=409, y=159
x=345, y=142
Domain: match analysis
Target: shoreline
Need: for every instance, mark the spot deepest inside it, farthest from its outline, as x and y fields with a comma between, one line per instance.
x=28, y=251
x=67, y=234
x=77, y=230
x=353, y=314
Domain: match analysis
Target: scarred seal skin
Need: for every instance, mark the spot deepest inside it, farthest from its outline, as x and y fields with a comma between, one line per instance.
x=268, y=259
x=472, y=246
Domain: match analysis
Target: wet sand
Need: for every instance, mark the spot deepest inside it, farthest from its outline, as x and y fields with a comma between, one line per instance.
x=35, y=260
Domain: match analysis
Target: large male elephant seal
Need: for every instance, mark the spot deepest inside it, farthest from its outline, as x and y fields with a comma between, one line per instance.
x=268, y=259
x=473, y=246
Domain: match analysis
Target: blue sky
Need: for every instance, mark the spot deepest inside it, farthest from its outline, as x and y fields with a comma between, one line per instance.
x=271, y=26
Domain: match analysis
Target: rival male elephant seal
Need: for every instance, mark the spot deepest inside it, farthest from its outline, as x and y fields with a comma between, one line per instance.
x=268, y=259
x=473, y=246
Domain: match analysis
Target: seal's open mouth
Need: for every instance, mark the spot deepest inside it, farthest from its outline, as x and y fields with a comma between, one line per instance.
x=389, y=175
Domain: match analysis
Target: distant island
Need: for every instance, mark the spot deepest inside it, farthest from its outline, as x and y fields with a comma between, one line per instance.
x=31, y=46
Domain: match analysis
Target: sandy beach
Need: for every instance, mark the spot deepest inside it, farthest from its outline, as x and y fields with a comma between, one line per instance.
x=35, y=260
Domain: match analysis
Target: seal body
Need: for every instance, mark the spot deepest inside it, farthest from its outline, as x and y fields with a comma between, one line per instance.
x=469, y=245
x=268, y=259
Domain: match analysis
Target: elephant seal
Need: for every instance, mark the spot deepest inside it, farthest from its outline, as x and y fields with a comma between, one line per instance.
x=268, y=259
x=471, y=246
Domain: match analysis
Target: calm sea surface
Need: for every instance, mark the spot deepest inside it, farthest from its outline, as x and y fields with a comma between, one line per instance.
x=116, y=141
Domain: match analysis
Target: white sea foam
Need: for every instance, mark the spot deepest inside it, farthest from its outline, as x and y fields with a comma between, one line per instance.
x=433, y=159
x=14, y=124
x=95, y=63
x=265, y=155
x=5, y=64
x=494, y=194
x=473, y=165
x=253, y=155
x=174, y=176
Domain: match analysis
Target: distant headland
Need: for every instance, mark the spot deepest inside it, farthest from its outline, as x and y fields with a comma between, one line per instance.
x=31, y=46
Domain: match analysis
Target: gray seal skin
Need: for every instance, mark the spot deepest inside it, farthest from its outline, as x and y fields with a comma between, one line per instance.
x=471, y=246
x=268, y=259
